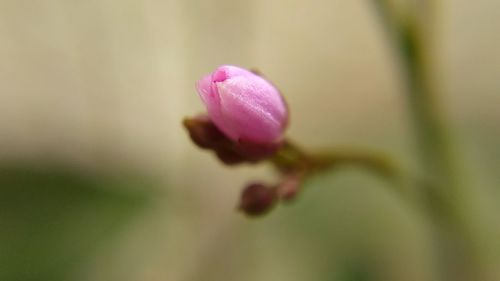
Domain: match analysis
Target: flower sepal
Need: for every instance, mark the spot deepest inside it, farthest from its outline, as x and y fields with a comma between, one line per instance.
x=206, y=135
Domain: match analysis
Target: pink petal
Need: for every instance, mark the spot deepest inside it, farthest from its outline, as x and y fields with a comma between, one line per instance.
x=251, y=109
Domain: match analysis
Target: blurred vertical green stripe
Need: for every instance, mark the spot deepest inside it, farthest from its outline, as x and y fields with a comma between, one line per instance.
x=52, y=221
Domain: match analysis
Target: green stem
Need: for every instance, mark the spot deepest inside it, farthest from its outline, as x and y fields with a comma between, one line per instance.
x=292, y=158
x=415, y=48
x=450, y=201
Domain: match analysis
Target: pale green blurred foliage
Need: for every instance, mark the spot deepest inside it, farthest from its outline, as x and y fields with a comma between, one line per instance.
x=101, y=86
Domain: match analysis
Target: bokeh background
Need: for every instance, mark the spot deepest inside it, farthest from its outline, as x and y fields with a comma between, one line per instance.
x=99, y=181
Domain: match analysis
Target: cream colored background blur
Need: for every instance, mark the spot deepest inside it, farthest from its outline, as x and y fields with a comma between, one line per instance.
x=105, y=85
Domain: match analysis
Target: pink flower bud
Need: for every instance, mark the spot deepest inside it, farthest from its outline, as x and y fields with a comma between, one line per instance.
x=243, y=105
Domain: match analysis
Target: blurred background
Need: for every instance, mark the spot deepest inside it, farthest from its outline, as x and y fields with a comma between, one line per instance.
x=99, y=181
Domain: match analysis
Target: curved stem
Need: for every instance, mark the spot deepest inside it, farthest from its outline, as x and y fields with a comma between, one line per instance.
x=413, y=42
x=449, y=198
x=292, y=159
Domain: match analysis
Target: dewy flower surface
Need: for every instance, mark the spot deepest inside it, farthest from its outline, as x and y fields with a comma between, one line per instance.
x=243, y=105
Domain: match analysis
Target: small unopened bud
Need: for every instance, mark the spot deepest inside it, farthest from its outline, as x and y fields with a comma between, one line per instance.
x=257, y=199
